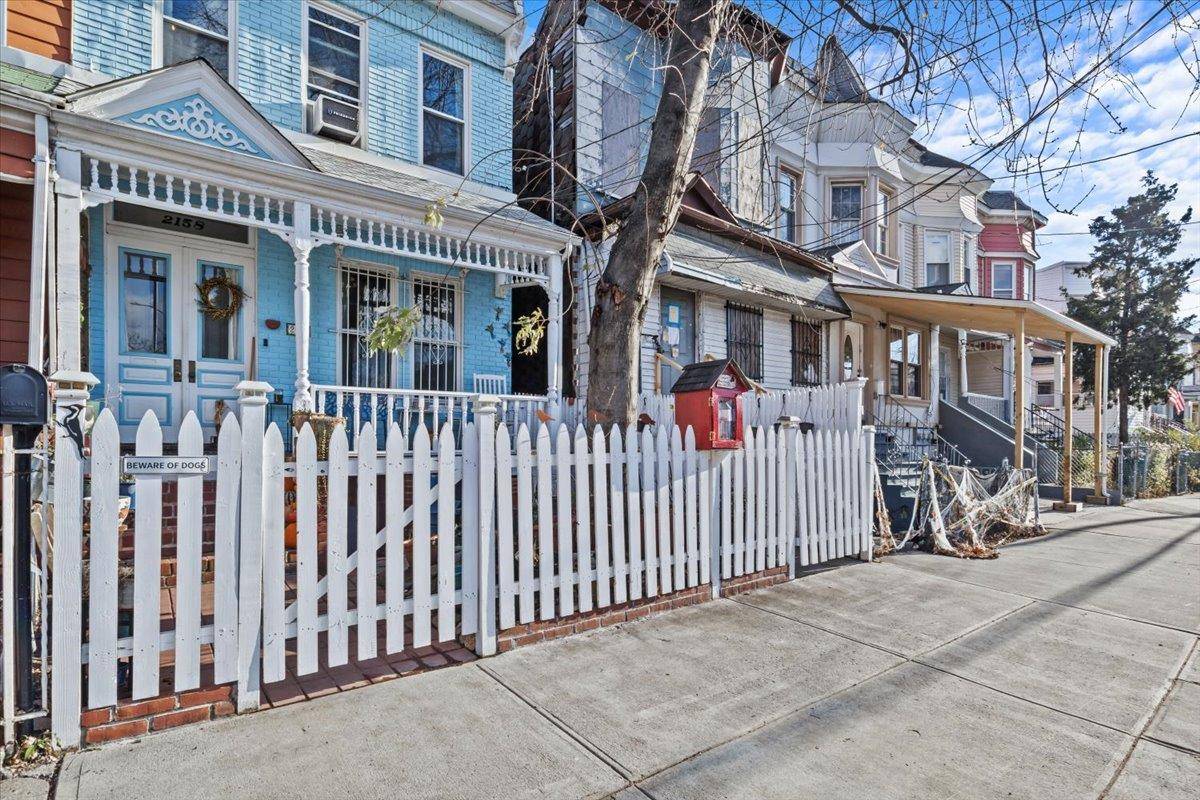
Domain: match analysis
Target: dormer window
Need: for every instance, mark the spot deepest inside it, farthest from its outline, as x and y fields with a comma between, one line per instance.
x=443, y=114
x=197, y=29
x=845, y=212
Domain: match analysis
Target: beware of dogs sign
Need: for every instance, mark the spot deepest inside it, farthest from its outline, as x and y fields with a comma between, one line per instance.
x=165, y=466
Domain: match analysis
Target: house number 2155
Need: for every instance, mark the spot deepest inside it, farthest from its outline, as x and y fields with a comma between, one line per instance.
x=179, y=221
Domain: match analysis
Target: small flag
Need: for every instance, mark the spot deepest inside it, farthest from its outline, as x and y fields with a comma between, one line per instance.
x=1175, y=398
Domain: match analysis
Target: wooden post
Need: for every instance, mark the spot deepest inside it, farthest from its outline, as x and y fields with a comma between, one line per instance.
x=302, y=247
x=1068, y=401
x=252, y=397
x=69, y=205
x=485, y=427
x=1019, y=392
x=67, y=618
x=1100, y=399
x=554, y=348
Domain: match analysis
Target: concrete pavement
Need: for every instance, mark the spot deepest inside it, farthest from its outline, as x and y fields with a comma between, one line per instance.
x=1068, y=667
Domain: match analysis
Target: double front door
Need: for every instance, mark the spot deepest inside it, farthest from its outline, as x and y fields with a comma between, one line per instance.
x=167, y=351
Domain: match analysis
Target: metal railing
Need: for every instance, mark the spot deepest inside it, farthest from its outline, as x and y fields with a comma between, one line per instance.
x=1050, y=430
x=902, y=437
x=998, y=407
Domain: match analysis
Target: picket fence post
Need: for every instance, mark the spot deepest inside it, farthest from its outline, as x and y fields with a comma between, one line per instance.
x=868, y=492
x=789, y=429
x=716, y=501
x=71, y=393
x=485, y=477
x=252, y=399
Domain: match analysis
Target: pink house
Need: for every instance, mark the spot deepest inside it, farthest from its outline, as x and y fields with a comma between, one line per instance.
x=1007, y=246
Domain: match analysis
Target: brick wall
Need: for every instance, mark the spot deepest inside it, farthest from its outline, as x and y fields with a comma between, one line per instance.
x=114, y=37
x=139, y=717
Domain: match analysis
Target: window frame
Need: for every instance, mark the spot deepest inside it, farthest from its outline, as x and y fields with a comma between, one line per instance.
x=857, y=231
x=906, y=328
x=925, y=256
x=364, y=59
x=1012, y=280
x=804, y=356
x=465, y=65
x=885, y=224
x=733, y=308
x=158, y=36
x=967, y=272
x=794, y=227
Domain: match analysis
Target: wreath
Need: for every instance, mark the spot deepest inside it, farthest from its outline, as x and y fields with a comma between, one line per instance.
x=219, y=297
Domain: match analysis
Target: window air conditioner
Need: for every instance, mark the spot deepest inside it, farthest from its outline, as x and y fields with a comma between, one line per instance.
x=335, y=119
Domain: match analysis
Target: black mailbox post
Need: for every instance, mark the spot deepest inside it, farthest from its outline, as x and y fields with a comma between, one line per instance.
x=25, y=406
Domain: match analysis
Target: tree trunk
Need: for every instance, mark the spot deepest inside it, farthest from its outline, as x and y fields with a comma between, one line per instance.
x=628, y=279
x=1123, y=419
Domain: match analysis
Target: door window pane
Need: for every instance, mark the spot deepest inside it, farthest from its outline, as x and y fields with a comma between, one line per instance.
x=145, y=293
x=219, y=337
x=444, y=114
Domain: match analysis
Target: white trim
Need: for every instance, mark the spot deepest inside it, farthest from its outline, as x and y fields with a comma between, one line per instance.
x=465, y=66
x=485, y=15
x=158, y=19
x=1012, y=281
x=364, y=71
x=48, y=66
x=4, y=24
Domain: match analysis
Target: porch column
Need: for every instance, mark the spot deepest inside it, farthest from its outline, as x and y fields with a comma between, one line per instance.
x=554, y=348
x=68, y=303
x=964, y=385
x=1007, y=366
x=1099, y=401
x=935, y=366
x=1067, y=373
x=1019, y=392
x=302, y=247
x=36, y=354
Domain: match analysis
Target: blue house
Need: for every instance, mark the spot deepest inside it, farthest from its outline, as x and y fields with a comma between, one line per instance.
x=260, y=180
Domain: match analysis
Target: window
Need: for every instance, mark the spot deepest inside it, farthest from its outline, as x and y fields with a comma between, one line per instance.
x=966, y=262
x=1002, y=280
x=335, y=59
x=937, y=259
x=806, y=352
x=219, y=337
x=845, y=212
x=145, y=293
x=1027, y=290
x=443, y=114
x=883, y=224
x=364, y=294
x=906, y=346
x=620, y=132
x=787, y=207
x=197, y=29
x=944, y=373
x=744, y=336
x=706, y=153
x=436, y=343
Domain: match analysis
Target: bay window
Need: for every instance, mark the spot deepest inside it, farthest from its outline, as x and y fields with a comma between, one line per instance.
x=937, y=258
x=845, y=212
x=1002, y=280
x=906, y=361
x=197, y=29
x=883, y=224
x=443, y=114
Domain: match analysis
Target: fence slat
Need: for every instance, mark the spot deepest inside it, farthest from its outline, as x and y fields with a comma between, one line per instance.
x=679, y=565
x=775, y=519
x=505, y=553
x=706, y=477
x=187, y=560
x=566, y=550
x=691, y=523
x=633, y=503
x=274, y=632
x=810, y=497
x=583, y=520
x=762, y=496
x=225, y=610
x=649, y=516
x=470, y=530
x=662, y=453
x=727, y=505
x=393, y=554
x=740, y=508
x=367, y=569
x=306, y=551
x=147, y=563
x=600, y=489
x=845, y=493
x=446, y=513
x=616, y=479
x=102, y=577
x=545, y=509
x=421, y=567
x=525, y=525
x=825, y=467
x=338, y=635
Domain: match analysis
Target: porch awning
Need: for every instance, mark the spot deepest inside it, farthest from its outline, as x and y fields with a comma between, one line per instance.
x=975, y=313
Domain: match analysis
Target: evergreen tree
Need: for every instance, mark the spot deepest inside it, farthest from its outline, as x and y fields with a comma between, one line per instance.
x=1136, y=289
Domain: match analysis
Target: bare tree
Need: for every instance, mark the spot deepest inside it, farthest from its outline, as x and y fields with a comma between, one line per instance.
x=627, y=280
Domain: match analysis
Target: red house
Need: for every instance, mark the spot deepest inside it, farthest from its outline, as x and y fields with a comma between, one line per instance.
x=1007, y=246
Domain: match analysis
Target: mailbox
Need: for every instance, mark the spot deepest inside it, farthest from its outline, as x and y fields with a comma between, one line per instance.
x=708, y=397
x=24, y=399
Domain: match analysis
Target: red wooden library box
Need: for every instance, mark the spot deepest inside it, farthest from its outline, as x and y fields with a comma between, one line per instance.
x=708, y=397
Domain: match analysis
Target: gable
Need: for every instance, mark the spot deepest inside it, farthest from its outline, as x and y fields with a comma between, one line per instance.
x=188, y=101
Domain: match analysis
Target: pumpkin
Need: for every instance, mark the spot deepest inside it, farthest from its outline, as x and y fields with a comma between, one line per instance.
x=289, y=535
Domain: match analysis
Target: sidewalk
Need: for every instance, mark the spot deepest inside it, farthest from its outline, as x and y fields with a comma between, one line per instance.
x=1068, y=667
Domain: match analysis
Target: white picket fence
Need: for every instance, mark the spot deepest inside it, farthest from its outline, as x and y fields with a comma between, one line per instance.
x=502, y=528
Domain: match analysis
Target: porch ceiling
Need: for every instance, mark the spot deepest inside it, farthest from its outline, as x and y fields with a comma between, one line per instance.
x=974, y=313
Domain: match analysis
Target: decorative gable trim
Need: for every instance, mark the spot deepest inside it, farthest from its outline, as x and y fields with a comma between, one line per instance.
x=194, y=118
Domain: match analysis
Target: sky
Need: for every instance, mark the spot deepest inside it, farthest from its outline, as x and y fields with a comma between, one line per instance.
x=1121, y=115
